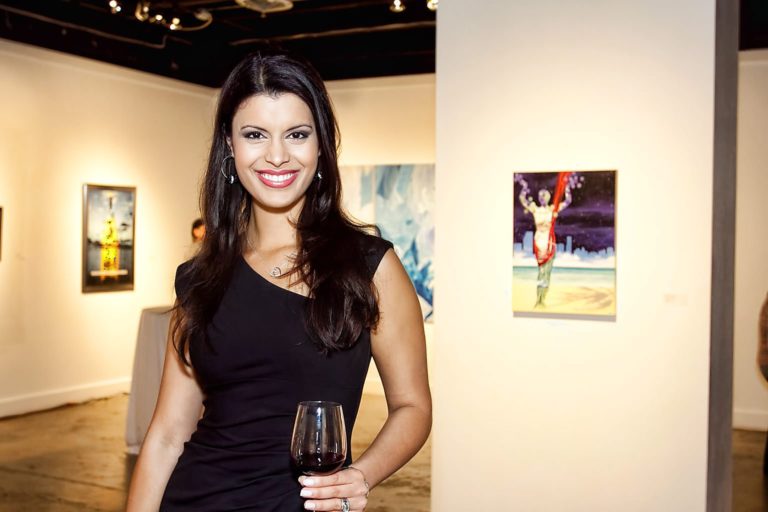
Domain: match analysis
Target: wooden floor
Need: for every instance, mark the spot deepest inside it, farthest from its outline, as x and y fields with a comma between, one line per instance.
x=73, y=459
x=750, y=487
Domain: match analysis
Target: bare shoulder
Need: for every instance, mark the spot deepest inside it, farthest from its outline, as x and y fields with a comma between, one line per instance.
x=391, y=276
x=399, y=307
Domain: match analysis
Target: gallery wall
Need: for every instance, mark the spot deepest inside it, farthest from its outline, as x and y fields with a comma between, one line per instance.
x=750, y=400
x=68, y=121
x=388, y=120
x=551, y=414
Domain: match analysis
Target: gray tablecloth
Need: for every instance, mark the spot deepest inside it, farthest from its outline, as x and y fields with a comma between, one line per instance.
x=147, y=371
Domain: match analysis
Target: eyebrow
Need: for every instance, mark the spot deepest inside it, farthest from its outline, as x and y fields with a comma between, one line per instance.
x=288, y=130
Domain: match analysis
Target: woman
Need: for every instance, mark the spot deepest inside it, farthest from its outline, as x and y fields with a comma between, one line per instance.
x=286, y=301
x=544, y=217
x=762, y=361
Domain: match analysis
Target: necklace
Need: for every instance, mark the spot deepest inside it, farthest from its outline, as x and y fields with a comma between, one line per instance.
x=277, y=271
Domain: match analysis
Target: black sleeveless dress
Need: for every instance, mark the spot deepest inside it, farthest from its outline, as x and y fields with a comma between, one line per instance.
x=262, y=365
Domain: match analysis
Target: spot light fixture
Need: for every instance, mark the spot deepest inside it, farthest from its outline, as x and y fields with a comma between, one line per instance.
x=266, y=6
x=176, y=19
x=397, y=6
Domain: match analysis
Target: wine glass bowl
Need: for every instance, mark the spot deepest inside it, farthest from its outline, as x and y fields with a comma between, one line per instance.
x=319, y=441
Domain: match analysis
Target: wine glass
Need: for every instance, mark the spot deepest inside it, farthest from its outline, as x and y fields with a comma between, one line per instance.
x=319, y=442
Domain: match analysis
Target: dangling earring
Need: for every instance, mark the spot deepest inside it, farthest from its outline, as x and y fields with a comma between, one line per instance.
x=319, y=175
x=231, y=177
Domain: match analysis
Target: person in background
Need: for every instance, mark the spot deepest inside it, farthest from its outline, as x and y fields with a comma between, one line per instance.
x=286, y=300
x=198, y=231
x=762, y=361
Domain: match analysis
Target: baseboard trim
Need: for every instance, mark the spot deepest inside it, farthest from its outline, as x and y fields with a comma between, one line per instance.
x=750, y=419
x=48, y=399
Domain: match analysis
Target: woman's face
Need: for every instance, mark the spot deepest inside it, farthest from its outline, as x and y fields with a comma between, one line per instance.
x=544, y=197
x=276, y=148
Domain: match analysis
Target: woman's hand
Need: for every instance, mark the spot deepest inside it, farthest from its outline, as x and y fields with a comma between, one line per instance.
x=329, y=492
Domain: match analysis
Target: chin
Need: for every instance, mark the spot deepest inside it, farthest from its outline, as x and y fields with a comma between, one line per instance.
x=276, y=204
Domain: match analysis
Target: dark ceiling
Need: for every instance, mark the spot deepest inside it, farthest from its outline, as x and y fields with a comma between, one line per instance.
x=343, y=38
x=753, y=24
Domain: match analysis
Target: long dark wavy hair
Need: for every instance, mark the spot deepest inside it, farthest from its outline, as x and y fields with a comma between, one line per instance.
x=330, y=260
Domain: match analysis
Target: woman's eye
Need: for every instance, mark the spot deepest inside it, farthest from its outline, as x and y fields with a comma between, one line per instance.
x=253, y=135
x=298, y=135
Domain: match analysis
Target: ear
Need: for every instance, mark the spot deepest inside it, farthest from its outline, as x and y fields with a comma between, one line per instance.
x=229, y=144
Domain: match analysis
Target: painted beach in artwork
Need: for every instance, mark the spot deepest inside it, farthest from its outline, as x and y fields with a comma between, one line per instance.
x=564, y=252
x=400, y=201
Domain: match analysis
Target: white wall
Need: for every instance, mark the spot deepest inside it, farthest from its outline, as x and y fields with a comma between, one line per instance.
x=550, y=415
x=750, y=394
x=68, y=121
x=386, y=121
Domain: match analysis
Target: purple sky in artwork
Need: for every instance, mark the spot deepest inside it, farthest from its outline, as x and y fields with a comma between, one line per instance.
x=590, y=219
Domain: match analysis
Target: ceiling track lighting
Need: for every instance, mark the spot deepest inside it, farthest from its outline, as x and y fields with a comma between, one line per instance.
x=266, y=6
x=177, y=20
x=397, y=6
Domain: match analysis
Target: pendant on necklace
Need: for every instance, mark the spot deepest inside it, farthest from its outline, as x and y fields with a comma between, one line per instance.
x=276, y=272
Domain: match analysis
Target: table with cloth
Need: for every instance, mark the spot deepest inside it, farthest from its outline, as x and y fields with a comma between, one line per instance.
x=147, y=371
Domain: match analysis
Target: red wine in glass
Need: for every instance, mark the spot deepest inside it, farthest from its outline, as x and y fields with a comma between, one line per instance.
x=319, y=465
x=319, y=441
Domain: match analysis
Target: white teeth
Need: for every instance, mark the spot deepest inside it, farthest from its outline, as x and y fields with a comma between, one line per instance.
x=277, y=178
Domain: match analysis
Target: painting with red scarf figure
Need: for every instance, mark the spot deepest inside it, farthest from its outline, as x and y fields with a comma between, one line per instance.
x=564, y=244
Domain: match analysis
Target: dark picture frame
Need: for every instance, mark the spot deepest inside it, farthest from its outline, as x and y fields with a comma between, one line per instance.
x=109, y=229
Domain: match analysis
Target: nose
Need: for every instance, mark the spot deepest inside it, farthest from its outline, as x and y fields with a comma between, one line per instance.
x=277, y=154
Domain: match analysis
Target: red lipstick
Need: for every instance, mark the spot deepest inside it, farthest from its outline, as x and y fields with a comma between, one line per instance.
x=277, y=179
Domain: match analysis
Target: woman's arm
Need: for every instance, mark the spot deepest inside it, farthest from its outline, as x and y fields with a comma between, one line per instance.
x=399, y=350
x=178, y=408
x=527, y=202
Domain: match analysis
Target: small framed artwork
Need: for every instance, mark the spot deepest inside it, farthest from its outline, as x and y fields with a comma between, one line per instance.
x=108, y=238
x=564, y=244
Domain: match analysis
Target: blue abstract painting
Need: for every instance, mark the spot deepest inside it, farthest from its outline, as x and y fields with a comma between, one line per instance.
x=400, y=200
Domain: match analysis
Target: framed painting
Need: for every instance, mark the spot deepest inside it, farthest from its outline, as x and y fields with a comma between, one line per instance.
x=400, y=201
x=108, y=238
x=564, y=244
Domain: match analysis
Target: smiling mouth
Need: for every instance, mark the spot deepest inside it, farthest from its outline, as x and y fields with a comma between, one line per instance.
x=280, y=179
